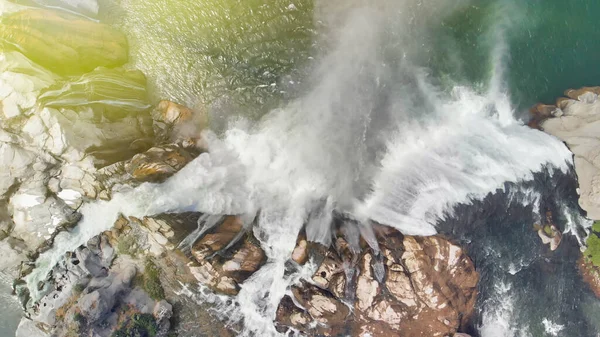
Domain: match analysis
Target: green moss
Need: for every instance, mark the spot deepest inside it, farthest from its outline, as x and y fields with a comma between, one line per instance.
x=140, y=325
x=593, y=249
x=63, y=43
x=596, y=226
x=78, y=288
x=152, y=283
x=79, y=318
x=127, y=245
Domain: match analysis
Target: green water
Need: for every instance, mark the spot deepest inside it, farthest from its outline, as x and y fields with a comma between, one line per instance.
x=249, y=56
x=202, y=51
x=247, y=51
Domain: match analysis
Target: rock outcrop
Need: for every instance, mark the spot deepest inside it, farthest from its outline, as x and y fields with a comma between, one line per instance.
x=413, y=286
x=74, y=46
x=548, y=232
x=90, y=293
x=575, y=119
x=226, y=256
x=416, y=286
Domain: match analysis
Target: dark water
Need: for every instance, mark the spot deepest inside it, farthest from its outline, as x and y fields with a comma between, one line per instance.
x=537, y=284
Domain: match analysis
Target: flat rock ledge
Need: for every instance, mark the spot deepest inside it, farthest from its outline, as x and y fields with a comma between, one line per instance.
x=575, y=119
x=413, y=286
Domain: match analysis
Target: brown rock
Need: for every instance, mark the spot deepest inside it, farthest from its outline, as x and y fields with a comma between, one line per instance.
x=429, y=289
x=321, y=305
x=300, y=253
x=158, y=163
x=541, y=112
x=179, y=124
x=172, y=112
x=577, y=93
x=590, y=274
x=223, y=264
x=288, y=314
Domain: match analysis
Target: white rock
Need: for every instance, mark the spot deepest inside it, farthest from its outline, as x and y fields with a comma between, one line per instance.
x=28, y=329
x=579, y=127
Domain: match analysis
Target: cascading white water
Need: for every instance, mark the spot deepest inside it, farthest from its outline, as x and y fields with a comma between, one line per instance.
x=371, y=138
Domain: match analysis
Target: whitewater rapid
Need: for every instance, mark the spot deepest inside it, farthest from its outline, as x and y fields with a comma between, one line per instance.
x=377, y=140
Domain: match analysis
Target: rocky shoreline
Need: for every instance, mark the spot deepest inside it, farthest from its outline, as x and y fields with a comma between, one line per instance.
x=575, y=119
x=77, y=132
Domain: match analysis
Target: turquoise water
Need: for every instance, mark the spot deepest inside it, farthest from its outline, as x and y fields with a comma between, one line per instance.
x=246, y=57
x=208, y=50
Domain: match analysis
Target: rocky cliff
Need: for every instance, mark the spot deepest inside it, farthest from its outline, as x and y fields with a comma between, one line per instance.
x=575, y=119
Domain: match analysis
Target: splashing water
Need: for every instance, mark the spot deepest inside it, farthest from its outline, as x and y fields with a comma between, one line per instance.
x=373, y=138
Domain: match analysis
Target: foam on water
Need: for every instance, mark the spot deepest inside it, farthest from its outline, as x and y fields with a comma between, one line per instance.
x=371, y=138
x=498, y=315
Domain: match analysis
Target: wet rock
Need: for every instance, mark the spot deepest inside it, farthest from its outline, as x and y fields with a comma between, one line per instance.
x=112, y=93
x=550, y=235
x=288, y=314
x=541, y=112
x=91, y=294
x=175, y=123
x=428, y=288
x=158, y=163
x=300, y=253
x=76, y=46
x=321, y=305
x=226, y=256
x=579, y=127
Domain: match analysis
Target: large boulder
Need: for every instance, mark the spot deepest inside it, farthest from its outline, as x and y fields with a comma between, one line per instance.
x=416, y=286
x=158, y=163
x=576, y=121
x=226, y=256
x=175, y=123
x=115, y=93
x=62, y=42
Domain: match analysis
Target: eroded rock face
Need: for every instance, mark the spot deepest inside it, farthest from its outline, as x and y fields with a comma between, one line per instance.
x=158, y=163
x=576, y=121
x=411, y=286
x=226, y=256
x=90, y=293
x=76, y=46
x=417, y=286
x=175, y=123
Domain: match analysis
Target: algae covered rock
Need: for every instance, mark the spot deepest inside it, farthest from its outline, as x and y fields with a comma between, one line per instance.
x=64, y=43
x=116, y=93
x=158, y=163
